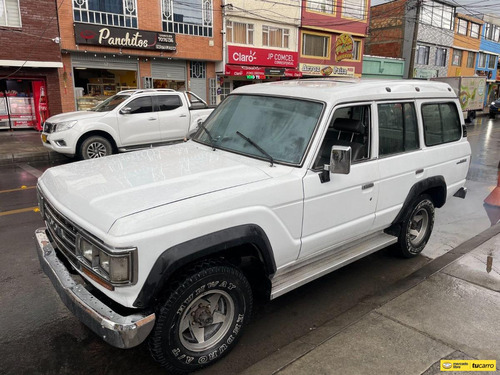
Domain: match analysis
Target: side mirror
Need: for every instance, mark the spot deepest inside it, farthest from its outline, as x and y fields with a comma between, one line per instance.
x=125, y=111
x=340, y=159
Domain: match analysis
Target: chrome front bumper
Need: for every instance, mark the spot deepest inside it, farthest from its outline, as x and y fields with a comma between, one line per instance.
x=117, y=330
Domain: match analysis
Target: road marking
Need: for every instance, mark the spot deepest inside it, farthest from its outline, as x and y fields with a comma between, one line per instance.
x=20, y=211
x=18, y=189
x=33, y=171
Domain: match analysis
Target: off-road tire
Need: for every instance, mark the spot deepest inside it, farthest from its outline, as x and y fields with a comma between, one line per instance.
x=95, y=146
x=416, y=227
x=213, y=285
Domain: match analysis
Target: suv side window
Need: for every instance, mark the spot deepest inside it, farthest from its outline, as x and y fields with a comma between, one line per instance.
x=441, y=123
x=141, y=105
x=398, y=130
x=168, y=102
x=350, y=126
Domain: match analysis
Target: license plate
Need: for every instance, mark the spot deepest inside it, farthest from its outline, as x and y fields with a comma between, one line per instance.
x=44, y=138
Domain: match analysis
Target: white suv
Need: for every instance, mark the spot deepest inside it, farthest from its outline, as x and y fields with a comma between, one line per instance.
x=129, y=120
x=283, y=183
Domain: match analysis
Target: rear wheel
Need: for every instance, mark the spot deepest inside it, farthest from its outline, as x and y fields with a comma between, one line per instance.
x=202, y=318
x=95, y=147
x=416, y=227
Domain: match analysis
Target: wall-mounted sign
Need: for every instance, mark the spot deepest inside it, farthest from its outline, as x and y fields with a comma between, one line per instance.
x=259, y=72
x=327, y=70
x=344, y=47
x=261, y=56
x=106, y=36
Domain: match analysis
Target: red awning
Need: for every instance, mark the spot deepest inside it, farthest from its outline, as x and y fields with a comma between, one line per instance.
x=240, y=70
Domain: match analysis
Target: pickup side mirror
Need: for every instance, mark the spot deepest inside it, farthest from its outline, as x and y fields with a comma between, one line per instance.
x=125, y=111
x=340, y=159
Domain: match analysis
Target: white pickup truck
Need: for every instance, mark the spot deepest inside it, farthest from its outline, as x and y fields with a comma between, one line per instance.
x=129, y=120
x=283, y=183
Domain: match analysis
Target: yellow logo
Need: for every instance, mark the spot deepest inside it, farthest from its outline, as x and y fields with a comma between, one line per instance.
x=468, y=365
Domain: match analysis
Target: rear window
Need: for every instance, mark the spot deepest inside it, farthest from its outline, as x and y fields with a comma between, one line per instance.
x=441, y=123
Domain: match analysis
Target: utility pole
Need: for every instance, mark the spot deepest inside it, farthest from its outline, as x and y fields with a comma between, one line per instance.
x=411, y=65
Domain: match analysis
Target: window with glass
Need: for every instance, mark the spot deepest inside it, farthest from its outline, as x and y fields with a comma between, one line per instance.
x=481, y=61
x=492, y=62
x=474, y=30
x=238, y=32
x=191, y=17
x=322, y=6
x=438, y=15
x=10, y=14
x=471, y=59
x=440, y=56
x=279, y=131
x=457, y=57
x=441, y=123
x=492, y=32
x=356, y=49
x=121, y=13
x=398, y=130
x=275, y=37
x=197, y=69
x=462, y=26
x=354, y=9
x=423, y=54
x=141, y=105
x=315, y=45
x=167, y=102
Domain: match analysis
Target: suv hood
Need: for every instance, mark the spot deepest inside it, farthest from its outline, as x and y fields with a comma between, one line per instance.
x=103, y=190
x=77, y=115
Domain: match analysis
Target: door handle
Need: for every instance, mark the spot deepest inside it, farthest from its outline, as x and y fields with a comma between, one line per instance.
x=152, y=118
x=367, y=186
x=183, y=116
x=418, y=171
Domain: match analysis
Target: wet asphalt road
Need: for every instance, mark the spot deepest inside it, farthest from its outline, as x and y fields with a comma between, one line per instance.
x=39, y=336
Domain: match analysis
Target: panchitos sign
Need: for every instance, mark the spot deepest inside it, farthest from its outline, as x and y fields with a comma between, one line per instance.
x=344, y=47
x=326, y=70
x=261, y=57
x=106, y=36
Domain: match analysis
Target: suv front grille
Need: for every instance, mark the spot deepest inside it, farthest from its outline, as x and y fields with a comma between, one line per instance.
x=48, y=127
x=62, y=231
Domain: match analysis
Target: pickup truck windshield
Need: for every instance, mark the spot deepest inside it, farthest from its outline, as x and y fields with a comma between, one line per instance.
x=281, y=127
x=110, y=103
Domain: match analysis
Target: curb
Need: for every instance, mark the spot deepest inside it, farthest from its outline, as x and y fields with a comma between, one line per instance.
x=8, y=159
x=298, y=348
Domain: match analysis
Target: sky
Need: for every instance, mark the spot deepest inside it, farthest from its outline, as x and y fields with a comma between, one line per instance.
x=467, y=6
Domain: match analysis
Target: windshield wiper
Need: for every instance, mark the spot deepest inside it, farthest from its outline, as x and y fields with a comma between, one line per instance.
x=257, y=147
x=212, y=142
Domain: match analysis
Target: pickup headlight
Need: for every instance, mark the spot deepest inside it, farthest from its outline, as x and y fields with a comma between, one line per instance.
x=113, y=265
x=64, y=125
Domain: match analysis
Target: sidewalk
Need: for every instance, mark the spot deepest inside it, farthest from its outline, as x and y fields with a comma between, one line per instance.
x=449, y=309
x=24, y=145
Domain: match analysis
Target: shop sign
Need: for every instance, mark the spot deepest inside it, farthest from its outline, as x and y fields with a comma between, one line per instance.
x=424, y=73
x=261, y=56
x=274, y=71
x=344, y=47
x=327, y=70
x=117, y=37
x=259, y=72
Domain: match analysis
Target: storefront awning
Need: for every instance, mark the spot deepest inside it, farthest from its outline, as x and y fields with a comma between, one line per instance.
x=260, y=71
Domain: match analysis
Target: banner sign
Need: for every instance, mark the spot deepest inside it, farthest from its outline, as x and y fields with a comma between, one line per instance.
x=106, y=36
x=260, y=72
x=326, y=70
x=261, y=56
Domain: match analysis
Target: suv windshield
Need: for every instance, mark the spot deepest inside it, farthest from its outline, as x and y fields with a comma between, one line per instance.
x=110, y=103
x=281, y=127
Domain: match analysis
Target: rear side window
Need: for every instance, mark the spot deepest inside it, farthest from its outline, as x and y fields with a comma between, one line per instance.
x=397, y=128
x=168, y=102
x=441, y=123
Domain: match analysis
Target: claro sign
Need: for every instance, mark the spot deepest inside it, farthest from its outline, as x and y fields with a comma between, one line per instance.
x=117, y=37
x=261, y=57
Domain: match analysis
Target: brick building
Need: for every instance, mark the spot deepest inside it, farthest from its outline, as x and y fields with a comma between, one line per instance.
x=30, y=57
x=111, y=46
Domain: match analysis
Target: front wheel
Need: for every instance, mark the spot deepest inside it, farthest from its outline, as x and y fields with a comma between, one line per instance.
x=202, y=318
x=95, y=147
x=416, y=227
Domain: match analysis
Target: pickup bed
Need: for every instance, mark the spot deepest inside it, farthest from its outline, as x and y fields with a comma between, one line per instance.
x=129, y=120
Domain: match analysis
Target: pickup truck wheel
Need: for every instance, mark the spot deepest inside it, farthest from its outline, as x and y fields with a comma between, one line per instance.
x=95, y=147
x=416, y=227
x=202, y=318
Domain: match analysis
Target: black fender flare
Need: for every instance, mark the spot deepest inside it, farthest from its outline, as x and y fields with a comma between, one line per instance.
x=435, y=186
x=202, y=247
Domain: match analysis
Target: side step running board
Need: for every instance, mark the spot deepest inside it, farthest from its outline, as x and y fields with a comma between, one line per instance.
x=314, y=267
